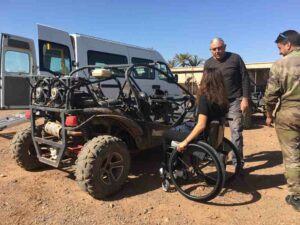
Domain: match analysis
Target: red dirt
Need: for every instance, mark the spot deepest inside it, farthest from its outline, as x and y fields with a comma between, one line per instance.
x=51, y=196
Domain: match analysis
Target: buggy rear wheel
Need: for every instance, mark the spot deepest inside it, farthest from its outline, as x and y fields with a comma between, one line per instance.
x=197, y=173
x=23, y=150
x=102, y=166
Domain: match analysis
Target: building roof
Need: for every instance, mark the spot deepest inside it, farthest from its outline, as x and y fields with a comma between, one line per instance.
x=199, y=69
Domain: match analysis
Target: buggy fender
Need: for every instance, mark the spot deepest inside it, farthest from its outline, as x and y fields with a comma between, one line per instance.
x=131, y=126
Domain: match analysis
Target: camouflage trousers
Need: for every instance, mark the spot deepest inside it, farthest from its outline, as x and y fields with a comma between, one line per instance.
x=288, y=132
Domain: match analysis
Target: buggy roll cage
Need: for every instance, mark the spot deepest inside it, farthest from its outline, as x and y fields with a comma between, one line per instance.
x=66, y=82
x=170, y=78
x=102, y=105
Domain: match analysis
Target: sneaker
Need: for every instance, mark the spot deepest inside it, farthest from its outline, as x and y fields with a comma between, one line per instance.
x=295, y=202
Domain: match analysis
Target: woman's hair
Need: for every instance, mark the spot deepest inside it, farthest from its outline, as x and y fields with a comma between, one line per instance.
x=212, y=86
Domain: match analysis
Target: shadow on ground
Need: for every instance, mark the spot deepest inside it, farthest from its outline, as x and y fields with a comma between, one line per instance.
x=258, y=121
x=7, y=135
x=145, y=176
x=250, y=183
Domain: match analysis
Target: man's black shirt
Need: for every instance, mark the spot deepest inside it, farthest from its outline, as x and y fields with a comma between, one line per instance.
x=235, y=74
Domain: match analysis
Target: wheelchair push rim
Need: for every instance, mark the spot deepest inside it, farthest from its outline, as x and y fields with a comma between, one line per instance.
x=197, y=173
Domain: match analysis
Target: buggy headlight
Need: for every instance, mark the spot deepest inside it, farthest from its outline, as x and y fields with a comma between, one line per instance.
x=54, y=93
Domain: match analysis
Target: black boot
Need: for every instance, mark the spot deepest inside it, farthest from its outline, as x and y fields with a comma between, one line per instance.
x=295, y=202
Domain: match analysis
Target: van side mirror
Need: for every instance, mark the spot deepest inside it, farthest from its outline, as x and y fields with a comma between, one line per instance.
x=172, y=79
x=74, y=63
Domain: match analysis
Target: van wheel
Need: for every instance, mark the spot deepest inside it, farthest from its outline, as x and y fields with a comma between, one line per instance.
x=23, y=150
x=102, y=166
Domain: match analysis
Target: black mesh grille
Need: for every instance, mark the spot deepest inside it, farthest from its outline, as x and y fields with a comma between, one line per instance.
x=18, y=44
x=16, y=91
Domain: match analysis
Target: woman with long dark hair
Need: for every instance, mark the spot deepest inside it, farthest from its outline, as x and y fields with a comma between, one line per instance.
x=211, y=104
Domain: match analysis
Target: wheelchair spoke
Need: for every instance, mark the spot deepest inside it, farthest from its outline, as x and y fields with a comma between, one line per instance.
x=197, y=174
x=205, y=165
x=183, y=162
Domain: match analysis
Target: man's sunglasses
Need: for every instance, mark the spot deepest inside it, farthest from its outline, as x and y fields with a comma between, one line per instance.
x=283, y=36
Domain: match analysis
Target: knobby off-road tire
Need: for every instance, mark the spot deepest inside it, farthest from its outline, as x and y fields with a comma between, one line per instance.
x=23, y=150
x=102, y=166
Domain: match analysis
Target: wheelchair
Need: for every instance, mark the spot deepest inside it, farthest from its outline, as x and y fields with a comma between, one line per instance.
x=200, y=172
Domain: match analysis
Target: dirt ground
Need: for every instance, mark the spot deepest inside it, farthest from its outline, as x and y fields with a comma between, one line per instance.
x=52, y=196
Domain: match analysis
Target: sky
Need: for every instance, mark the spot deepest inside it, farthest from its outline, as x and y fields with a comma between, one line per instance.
x=249, y=28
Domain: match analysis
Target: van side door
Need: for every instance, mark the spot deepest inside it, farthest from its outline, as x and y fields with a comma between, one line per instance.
x=18, y=62
x=56, y=51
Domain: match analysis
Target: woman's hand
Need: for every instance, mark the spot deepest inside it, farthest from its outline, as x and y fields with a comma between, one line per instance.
x=269, y=121
x=182, y=146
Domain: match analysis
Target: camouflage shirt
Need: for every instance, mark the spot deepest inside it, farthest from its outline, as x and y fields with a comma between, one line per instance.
x=284, y=82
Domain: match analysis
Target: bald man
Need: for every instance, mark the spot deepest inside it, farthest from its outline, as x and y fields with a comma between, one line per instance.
x=237, y=84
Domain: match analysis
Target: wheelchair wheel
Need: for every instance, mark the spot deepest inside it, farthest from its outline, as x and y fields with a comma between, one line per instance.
x=197, y=173
x=229, y=151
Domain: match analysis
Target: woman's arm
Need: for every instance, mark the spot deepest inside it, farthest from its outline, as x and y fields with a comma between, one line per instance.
x=200, y=126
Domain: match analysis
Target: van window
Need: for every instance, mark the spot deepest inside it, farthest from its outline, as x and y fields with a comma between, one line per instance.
x=102, y=59
x=55, y=58
x=16, y=62
x=163, y=68
x=143, y=72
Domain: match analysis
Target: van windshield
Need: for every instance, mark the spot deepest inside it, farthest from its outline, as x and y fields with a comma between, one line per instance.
x=54, y=58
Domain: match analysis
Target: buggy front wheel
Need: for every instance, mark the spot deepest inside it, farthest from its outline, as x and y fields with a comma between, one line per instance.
x=103, y=166
x=23, y=150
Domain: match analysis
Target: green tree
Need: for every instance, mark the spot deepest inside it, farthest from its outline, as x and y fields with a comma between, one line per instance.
x=182, y=59
x=195, y=60
x=172, y=63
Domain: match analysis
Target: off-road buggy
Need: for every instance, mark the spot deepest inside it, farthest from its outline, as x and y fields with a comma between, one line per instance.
x=72, y=120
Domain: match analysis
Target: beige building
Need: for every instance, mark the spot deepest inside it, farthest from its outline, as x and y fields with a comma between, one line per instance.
x=258, y=73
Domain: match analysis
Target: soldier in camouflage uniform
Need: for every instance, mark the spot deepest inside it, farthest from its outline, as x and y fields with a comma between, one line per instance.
x=284, y=86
